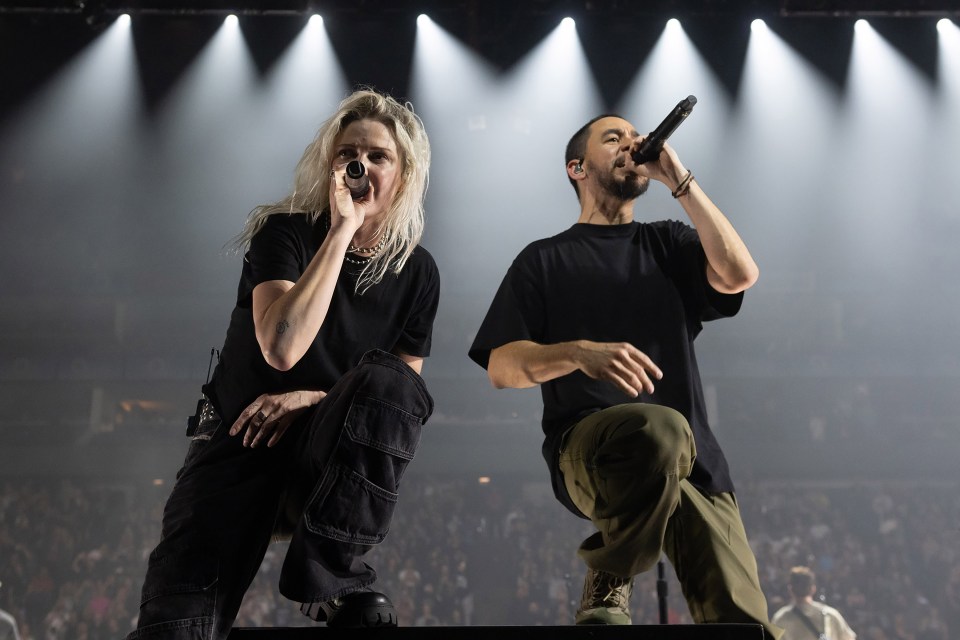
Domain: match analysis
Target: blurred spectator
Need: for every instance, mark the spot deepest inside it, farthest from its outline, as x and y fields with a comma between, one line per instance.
x=426, y=617
x=8, y=626
x=887, y=555
x=806, y=619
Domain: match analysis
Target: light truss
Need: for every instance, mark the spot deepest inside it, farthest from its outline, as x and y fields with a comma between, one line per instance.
x=371, y=8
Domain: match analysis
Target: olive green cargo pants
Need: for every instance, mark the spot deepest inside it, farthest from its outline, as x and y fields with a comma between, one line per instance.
x=626, y=469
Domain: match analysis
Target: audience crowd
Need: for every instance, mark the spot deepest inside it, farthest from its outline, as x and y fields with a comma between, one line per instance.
x=887, y=555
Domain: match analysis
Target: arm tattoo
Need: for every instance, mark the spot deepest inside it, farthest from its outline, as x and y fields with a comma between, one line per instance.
x=282, y=327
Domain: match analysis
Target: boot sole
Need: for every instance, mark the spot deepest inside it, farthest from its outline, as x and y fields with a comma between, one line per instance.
x=373, y=617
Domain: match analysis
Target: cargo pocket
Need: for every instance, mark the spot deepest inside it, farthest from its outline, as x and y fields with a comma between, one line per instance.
x=178, y=601
x=356, y=496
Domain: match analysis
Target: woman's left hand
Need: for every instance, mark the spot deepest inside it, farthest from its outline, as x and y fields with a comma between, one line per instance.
x=270, y=415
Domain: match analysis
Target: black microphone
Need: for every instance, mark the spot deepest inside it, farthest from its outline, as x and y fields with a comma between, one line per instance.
x=652, y=145
x=357, y=179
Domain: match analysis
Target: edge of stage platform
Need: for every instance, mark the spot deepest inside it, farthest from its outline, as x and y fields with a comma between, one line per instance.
x=634, y=632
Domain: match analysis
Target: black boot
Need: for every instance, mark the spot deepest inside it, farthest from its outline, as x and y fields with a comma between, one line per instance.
x=359, y=609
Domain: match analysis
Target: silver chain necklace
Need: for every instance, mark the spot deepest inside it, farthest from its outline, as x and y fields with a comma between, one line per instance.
x=351, y=248
x=374, y=250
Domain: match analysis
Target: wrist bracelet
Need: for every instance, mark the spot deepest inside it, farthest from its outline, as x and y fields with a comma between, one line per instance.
x=684, y=187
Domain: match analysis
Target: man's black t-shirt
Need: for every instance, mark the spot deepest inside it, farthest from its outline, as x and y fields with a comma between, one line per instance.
x=642, y=283
x=394, y=315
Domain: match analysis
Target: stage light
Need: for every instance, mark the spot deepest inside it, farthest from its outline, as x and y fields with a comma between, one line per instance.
x=758, y=25
x=124, y=20
x=316, y=20
x=673, y=23
x=568, y=23
x=445, y=68
x=948, y=66
x=231, y=20
x=861, y=25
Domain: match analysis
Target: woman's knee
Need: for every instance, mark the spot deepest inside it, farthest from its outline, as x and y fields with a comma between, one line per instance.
x=394, y=382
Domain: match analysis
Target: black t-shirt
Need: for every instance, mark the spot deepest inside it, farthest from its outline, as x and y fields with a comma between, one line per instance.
x=394, y=315
x=642, y=283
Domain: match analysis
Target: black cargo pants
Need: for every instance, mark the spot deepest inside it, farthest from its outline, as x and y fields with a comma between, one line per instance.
x=338, y=468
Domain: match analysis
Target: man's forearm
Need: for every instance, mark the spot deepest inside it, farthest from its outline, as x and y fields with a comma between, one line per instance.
x=727, y=256
x=523, y=364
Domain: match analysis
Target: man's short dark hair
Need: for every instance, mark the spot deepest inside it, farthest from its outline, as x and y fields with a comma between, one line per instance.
x=577, y=147
x=802, y=580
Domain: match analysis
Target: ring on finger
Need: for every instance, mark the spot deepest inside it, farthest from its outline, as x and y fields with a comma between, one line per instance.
x=261, y=418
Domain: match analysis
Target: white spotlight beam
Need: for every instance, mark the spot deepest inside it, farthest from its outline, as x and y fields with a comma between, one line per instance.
x=945, y=151
x=447, y=76
x=881, y=149
x=78, y=124
x=783, y=127
x=673, y=70
x=71, y=152
x=82, y=106
x=303, y=87
x=948, y=73
x=543, y=100
x=209, y=124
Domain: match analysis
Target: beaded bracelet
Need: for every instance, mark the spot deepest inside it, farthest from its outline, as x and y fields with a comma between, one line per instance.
x=684, y=187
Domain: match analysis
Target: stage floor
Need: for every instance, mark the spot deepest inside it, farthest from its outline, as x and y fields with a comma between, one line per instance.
x=634, y=632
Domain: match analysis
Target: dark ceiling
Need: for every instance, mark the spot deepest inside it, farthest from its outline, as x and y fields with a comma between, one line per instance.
x=44, y=34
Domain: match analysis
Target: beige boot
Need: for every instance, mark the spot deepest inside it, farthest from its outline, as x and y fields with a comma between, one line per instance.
x=606, y=599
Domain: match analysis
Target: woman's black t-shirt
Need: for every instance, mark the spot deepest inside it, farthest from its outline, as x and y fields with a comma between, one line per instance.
x=393, y=315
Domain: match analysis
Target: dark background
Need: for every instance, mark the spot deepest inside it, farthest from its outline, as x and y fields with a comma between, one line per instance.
x=127, y=167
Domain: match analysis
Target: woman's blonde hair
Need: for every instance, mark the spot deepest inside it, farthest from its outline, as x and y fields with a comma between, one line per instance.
x=403, y=224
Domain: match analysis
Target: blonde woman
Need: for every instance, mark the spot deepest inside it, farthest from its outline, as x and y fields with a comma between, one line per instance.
x=316, y=405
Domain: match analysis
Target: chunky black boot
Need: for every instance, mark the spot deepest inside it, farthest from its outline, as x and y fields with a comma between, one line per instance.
x=359, y=609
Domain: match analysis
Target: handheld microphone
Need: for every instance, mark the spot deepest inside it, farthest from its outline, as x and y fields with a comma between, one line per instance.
x=652, y=145
x=357, y=179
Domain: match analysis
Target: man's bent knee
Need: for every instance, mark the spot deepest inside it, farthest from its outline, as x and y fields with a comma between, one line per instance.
x=649, y=435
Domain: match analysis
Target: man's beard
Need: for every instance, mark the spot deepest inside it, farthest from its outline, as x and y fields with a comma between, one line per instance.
x=629, y=187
